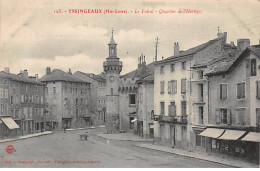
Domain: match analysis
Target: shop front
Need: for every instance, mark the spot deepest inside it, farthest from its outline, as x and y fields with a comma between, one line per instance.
x=8, y=127
x=232, y=143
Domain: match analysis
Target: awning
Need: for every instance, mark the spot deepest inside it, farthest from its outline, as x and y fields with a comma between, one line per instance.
x=252, y=136
x=133, y=120
x=232, y=135
x=10, y=123
x=212, y=132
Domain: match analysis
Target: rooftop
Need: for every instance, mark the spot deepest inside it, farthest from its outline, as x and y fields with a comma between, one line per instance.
x=191, y=51
x=140, y=72
x=228, y=63
x=148, y=78
x=19, y=78
x=94, y=77
x=59, y=75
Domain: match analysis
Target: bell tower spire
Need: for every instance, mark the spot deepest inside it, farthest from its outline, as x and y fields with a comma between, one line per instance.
x=112, y=68
x=112, y=47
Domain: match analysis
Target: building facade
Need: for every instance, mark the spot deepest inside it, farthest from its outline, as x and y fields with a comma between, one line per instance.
x=23, y=99
x=98, y=95
x=234, y=100
x=67, y=99
x=178, y=93
x=145, y=109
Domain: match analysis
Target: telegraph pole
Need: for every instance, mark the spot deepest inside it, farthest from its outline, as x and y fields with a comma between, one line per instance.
x=156, y=46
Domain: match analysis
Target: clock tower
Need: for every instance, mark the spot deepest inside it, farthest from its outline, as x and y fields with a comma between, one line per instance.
x=112, y=68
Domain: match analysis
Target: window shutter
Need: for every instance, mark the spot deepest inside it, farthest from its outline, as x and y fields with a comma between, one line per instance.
x=217, y=113
x=174, y=110
x=169, y=87
x=247, y=67
x=229, y=116
x=238, y=90
x=169, y=110
x=233, y=116
x=258, y=89
x=242, y=95
x=220, y=90
x=175, y=86
x=225, y=91
x=253, y=67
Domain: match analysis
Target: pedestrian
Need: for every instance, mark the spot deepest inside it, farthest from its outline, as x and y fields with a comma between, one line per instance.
x=64, y=129
x=86, y=136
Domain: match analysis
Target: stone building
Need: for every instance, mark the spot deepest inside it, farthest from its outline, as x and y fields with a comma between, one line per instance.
x=67, y=99
x=176, y=93
x=122, y=93
x=98, y=95
x=145, y=109
x=234, y=104
x=22, y=98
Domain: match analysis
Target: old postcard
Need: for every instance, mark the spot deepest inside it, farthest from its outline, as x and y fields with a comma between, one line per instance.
x=129, y=84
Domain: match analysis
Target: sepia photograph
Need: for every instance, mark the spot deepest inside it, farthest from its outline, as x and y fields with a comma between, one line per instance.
x=129, y=83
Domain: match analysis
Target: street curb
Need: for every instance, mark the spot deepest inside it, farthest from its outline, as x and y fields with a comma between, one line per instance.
x=22, y=138
x=120, y=140
x=93, y=127
x=191, y=157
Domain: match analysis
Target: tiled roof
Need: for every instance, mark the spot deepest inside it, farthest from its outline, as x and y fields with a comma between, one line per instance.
x=18, y=78
x=226, y=57
x=95, y=77
x=59, y=75
x=227, y=64
x=140, y=72
x=148, y=78
x=191, y=51
x=255, y=49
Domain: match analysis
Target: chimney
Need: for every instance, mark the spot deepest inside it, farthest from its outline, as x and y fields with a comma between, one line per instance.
x=176, y=49
x=48, y=70
x=6, y=69
x=25, y=73
x=140, y=62
x=69, y=72
x=242, y=44
x=225, y=37
x=219, y=34
x=36, y=77
x=144, y=63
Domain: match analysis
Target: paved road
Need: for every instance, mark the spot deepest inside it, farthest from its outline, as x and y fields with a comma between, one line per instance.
x=64, y=149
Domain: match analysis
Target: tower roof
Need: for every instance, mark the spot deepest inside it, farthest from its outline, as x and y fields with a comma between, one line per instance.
x=112, y=41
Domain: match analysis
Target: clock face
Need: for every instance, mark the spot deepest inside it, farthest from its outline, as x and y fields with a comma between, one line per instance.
x=112, y=78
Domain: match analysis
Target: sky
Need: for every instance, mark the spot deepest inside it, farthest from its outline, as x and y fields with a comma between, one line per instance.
x=33, y=37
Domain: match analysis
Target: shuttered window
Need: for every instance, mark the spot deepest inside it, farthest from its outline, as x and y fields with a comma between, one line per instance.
x=223, y=91
x=172, y=109
x=257, y=117
x=162, y=87
x=162, y=108
x=183, y=85
x=241, y=90
x=253, y=67
x=258, y=89
x=183, y=108
x=172, y=86
x=241, y=116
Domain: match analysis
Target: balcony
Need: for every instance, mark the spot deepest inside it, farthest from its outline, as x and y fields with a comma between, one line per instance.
x=19, y=117
x=171, y=119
